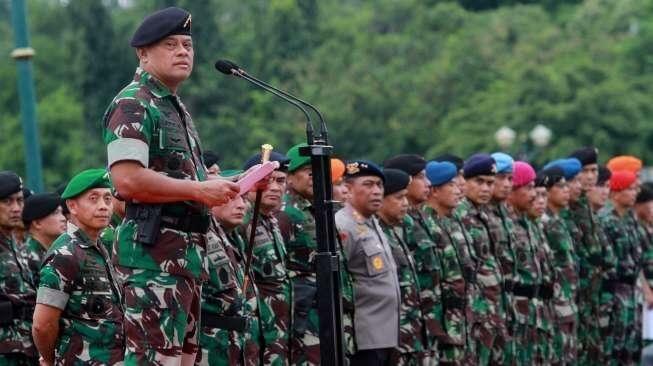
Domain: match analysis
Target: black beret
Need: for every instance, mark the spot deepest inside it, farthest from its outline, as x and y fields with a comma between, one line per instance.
x=456, y=160
x=549, y=177
x=479, y=164
x=586, y=155
x=410, y=163
x=274, y=156
x=10, y=183
x=27, y=193
x=210, y=158
x=604, y=175
x=395, y=181
x=160, y=24
x=40, y=205
x=361, y=168
x=645, y=194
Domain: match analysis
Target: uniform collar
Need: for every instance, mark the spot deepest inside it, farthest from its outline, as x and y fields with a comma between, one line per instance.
x=76, y=232
x=358, y=217
x=155, y=85
x=34, y=245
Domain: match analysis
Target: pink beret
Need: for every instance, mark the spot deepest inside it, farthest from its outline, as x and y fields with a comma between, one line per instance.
x=522, y=174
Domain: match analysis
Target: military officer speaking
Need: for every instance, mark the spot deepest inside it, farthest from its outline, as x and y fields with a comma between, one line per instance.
x=369, y=260
x=155, y=158
x=78, y=317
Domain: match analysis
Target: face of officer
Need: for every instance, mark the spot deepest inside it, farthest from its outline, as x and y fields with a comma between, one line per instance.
x=231, y=214
x=418, y=189
x=626, y=197
x=588, y=176
x=395, y=207
x=271, y=196
x=460, y=182
x=11, y=209
x=340, y=192
x=522, y=198
x=366, y=194
x=559, y=195
x=170, y=60
x=301, y=181
x=91, y=211
x=502, y=186
x=644, y=212
x=50, y=226
x=447, y=196
x=599, y=194
x=538, y=206
x=479, y=189
x=575, y=188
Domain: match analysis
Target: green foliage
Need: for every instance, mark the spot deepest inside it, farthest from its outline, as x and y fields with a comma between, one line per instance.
x=390, y=76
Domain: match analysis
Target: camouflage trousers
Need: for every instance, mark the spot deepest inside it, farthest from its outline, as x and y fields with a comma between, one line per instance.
x=17, y=359
x=219, y=347
x=590, y=350
x=161, y=316
x=626, y=329
x=524, y=329
x=606, y=305
x=274, y=309
x=490, y=333
x=305, y=341
x=565, y=346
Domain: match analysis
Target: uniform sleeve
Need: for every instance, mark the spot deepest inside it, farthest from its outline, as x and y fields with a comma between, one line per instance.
x=128, y=132
x=58, y=275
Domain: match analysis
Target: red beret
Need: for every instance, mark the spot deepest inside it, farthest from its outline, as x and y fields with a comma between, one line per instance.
x=621, y=180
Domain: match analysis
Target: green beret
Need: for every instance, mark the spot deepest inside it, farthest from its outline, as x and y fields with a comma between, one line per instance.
x=161, y=24
x=297, y=161
x=88, y=179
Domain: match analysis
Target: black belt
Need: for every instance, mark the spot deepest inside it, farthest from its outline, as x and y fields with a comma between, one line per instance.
x=451, y=302
x=196, y=223
x=628, y=280
x=546, y=292
x=508, y=286
x=595, y=259
x=236, y=323
x=524, y=290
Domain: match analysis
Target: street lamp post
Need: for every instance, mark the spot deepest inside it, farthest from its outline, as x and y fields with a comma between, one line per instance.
x=539, y=137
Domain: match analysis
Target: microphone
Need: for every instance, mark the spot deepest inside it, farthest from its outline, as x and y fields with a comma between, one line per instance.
x=230, y=68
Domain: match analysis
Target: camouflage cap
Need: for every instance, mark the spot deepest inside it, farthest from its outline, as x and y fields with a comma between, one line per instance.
x=83, y=181
x=297, y=161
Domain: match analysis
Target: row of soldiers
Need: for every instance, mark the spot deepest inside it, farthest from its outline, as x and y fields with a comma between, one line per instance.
x=482, y=261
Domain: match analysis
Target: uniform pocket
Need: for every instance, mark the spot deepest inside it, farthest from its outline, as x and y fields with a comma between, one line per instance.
x=375, y=259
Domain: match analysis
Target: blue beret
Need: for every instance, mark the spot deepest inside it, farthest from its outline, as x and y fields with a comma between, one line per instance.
x=439, y=173
x=410, y=163
x=479, y=164
x=10, y=183
x=504, y=162
x=274, y=156
x=570, y=166
x=160, y=24
x=360, y=168
x=586, y=155
x=395, y=181
x=548, y=177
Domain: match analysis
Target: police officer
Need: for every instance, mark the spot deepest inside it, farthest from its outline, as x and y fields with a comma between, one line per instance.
x=155, y=156
x=370, y=263
x=78, y=316
x=44, y=220
x=16, y=295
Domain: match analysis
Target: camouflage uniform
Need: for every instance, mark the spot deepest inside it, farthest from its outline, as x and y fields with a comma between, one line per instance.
x=565, y=288
x=411, y=349
x=420, y=239
x=31, y=255
x=225, y=314
x=501, y=229
x=16, y=346
x=271, y=278
x=526, y=282
x=348, y=308
x=544, y=312
x=297, y=225
x=77, y=278
x=454, y=292
x=626, y=241
x=147, y=123
x=584, y=228
x=488, y=308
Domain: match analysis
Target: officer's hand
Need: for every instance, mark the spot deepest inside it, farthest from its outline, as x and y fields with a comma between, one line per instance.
x=217, y=192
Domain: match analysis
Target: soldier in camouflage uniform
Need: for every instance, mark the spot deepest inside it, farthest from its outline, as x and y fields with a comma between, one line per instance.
x=371, y=266
x=411, y=350
x=155, y=158
x=78, y=317
x=44, y=222
x=563, y=263
x=457, y=348
x=297, y=224
x=16, y=294
x=269, y=265
x=617, y=221
x=488, y=308
x=527, y=272
x=421, y=242
x=544, y=306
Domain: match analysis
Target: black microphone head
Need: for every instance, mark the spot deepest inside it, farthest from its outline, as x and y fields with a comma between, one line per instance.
x=225, y=66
